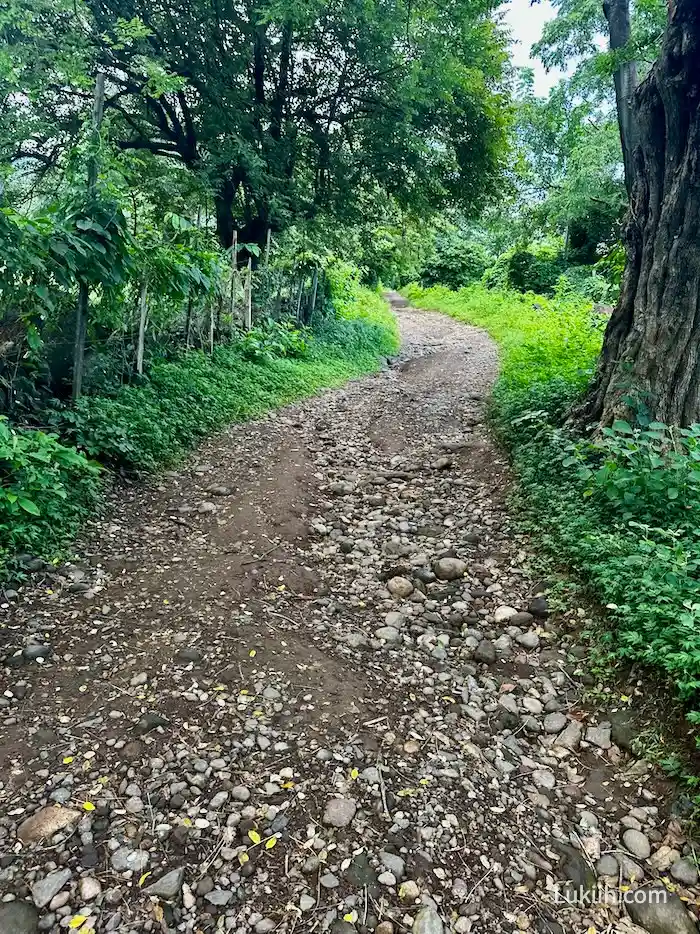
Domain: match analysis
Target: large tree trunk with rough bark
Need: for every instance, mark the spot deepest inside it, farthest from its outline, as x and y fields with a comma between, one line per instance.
x=651, y=353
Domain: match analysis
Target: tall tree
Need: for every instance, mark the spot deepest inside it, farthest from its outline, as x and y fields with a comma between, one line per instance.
x=651, y=352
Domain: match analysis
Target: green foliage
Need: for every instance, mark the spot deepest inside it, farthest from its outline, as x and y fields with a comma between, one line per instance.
x=274, y=339
x=650, y=474
x=621, y=509
x=413, y=108
x=527, y=269
x=359, y=311
x=457, y=259
x=46, y=490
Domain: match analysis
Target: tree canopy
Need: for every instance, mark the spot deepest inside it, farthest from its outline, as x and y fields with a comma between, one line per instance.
x=284, y=110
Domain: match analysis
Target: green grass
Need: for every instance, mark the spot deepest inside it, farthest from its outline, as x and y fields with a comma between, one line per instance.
x=152, y=425
x=621, y=510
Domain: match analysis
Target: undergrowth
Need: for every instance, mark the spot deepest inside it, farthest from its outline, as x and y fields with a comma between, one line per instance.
x=49, y=482
x=621, y=509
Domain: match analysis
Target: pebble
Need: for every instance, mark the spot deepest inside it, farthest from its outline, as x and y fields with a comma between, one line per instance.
x=89, y=888
x=685, y=871
x=554, y=723
x=339, y=812
x=449, y=569
x=125, y=859
x=400, y=587
x=637, y=844
x=660, y=912
x=45, y=889
x=427, y=921
x=169, y=885
x=18, y=918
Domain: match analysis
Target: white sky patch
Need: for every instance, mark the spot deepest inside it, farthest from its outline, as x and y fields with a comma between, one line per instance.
x=526, y=22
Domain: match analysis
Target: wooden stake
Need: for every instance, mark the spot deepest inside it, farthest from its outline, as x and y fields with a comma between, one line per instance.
x=267, y=245
x=234, y=277
x=188, y=319
x=248, y=321
x=211, y=326
x=301, y=289
x=143, y=311
x=314, y=292
x=81, y=313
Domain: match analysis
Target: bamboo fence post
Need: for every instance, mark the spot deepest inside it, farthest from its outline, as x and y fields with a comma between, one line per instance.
x=248, y=310
x=234, y=278
x=143, y=313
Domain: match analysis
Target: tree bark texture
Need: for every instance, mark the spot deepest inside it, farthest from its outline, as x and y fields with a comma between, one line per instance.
x=651, y=352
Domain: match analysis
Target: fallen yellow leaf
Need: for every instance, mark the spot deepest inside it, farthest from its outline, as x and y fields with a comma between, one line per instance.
x=77, y=921
x=88, y=806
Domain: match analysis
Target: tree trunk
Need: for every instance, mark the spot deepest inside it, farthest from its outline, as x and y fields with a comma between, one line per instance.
x=617, y=13
x=651, y=353
x=223, y=201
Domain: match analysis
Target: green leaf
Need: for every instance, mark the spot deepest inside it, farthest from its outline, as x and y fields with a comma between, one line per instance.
x=623, y=427
x=29, y=506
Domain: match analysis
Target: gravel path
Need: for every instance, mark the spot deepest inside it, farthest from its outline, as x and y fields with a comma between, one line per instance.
x=307, y=684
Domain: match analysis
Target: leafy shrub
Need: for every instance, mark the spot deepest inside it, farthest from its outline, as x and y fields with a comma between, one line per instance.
x=455, y=261
x=526, y=269
x=274, y=339
x=46, y=489
x=584, y=282
x=374, y=330
x=650, y=473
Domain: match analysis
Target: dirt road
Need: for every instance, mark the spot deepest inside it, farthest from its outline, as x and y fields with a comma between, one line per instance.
x=307, y=683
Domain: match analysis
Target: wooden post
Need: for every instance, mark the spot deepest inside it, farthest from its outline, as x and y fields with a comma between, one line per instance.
x=314, y=292
x=234, y=277
x=267, y=245
x=188, y=319
x=219, y=306
x=81, y=313
x=301, y=290
x=143, y=311
x=211, y=326
x=248, y=319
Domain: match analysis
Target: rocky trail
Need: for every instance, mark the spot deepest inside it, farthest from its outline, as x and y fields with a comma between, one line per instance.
x=306, y=683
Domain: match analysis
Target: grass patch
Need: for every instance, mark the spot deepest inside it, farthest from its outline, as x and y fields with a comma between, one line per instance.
x=49, y=486
x=621, y=510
